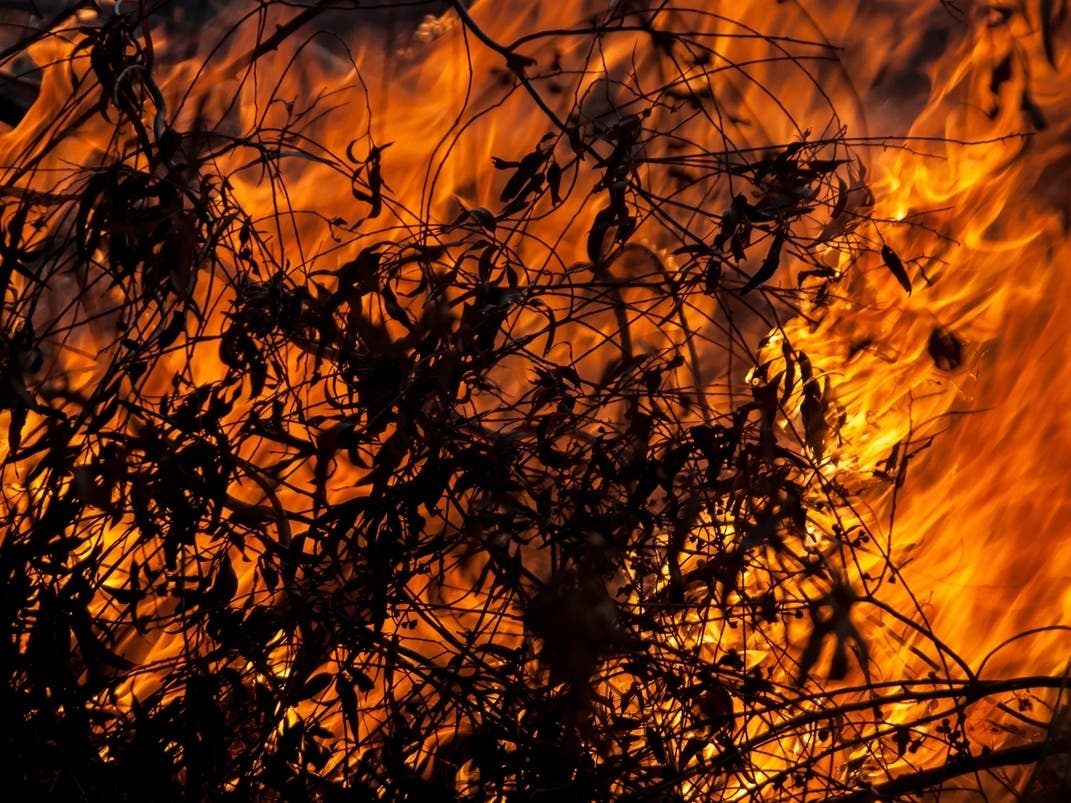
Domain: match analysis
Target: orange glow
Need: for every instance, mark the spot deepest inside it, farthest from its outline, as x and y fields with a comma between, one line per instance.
x=392, y=361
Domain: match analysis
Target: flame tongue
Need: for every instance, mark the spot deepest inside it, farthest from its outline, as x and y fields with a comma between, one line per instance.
x=375, y=392
x=970, y=502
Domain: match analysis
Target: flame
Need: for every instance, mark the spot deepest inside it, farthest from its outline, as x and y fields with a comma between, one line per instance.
x=286, y=152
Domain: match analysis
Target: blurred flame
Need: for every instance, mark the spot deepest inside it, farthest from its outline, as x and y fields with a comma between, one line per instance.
x=978, y=210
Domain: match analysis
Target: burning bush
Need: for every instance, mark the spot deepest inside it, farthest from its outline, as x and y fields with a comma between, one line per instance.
x=451, y=407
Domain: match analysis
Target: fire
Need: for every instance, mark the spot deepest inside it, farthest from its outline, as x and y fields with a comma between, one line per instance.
x=628, y=401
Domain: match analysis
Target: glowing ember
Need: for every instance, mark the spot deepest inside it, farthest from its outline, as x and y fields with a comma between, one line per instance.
x=620, y=402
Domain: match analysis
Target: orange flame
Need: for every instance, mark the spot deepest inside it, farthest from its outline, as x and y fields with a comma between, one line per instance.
x=574, y=176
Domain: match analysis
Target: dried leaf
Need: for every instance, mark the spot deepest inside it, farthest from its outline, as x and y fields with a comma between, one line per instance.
x=896, y=267
x=523, y=176
x=225, y=583
x=813, y=412
x=769, y=264
x=347, y=700
x=842, y=199
x=362, y=680
x=17, y=421
x=368, y=173
x=788, y=383
x=483, y=217
x=554, y=181
x=393, y=308
x=604, y=219
x=315, y=685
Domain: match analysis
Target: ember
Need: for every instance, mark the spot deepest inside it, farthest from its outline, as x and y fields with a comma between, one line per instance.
x=502, y=402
